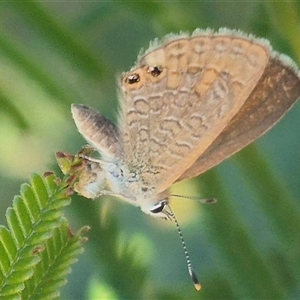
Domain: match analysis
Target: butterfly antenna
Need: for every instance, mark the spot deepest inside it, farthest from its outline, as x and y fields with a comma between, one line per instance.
x=202, y=200
x=193, y=275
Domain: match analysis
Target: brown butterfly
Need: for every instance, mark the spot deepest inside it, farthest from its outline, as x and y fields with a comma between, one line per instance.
x=189, y=103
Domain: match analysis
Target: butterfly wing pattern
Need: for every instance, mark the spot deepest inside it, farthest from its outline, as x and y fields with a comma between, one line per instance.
x=189, y=103
x=276, y=92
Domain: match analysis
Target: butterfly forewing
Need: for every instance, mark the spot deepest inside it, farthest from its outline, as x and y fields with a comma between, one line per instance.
x=185, y=94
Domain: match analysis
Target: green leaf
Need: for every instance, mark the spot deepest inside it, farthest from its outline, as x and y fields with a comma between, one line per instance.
x=7, y=242
x=37, y=235
x=50, y=274
x=15, y=228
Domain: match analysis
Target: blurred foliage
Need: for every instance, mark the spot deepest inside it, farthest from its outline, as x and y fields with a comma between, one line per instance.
x=245, y=246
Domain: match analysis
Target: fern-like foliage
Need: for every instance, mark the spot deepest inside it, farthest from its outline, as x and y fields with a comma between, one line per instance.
x=37, y=247
x=50, y=274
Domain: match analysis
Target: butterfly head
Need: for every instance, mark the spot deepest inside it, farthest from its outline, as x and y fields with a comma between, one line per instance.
x=143, y=194
x=158, y=210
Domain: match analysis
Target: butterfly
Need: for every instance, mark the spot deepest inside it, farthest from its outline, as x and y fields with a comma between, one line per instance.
x=189, y=103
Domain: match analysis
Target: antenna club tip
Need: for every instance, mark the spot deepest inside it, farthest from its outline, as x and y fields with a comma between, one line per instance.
x=195, y=280
x=197, y=286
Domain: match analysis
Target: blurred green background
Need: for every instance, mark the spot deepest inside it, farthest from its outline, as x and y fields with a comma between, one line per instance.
x=246, y=246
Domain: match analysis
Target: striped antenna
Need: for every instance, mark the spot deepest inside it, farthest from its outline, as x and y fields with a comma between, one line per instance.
x=193, y=275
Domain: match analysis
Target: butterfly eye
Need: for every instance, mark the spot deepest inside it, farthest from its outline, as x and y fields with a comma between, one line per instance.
x=154, y=71
x=132, y=78
x=158, y=207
